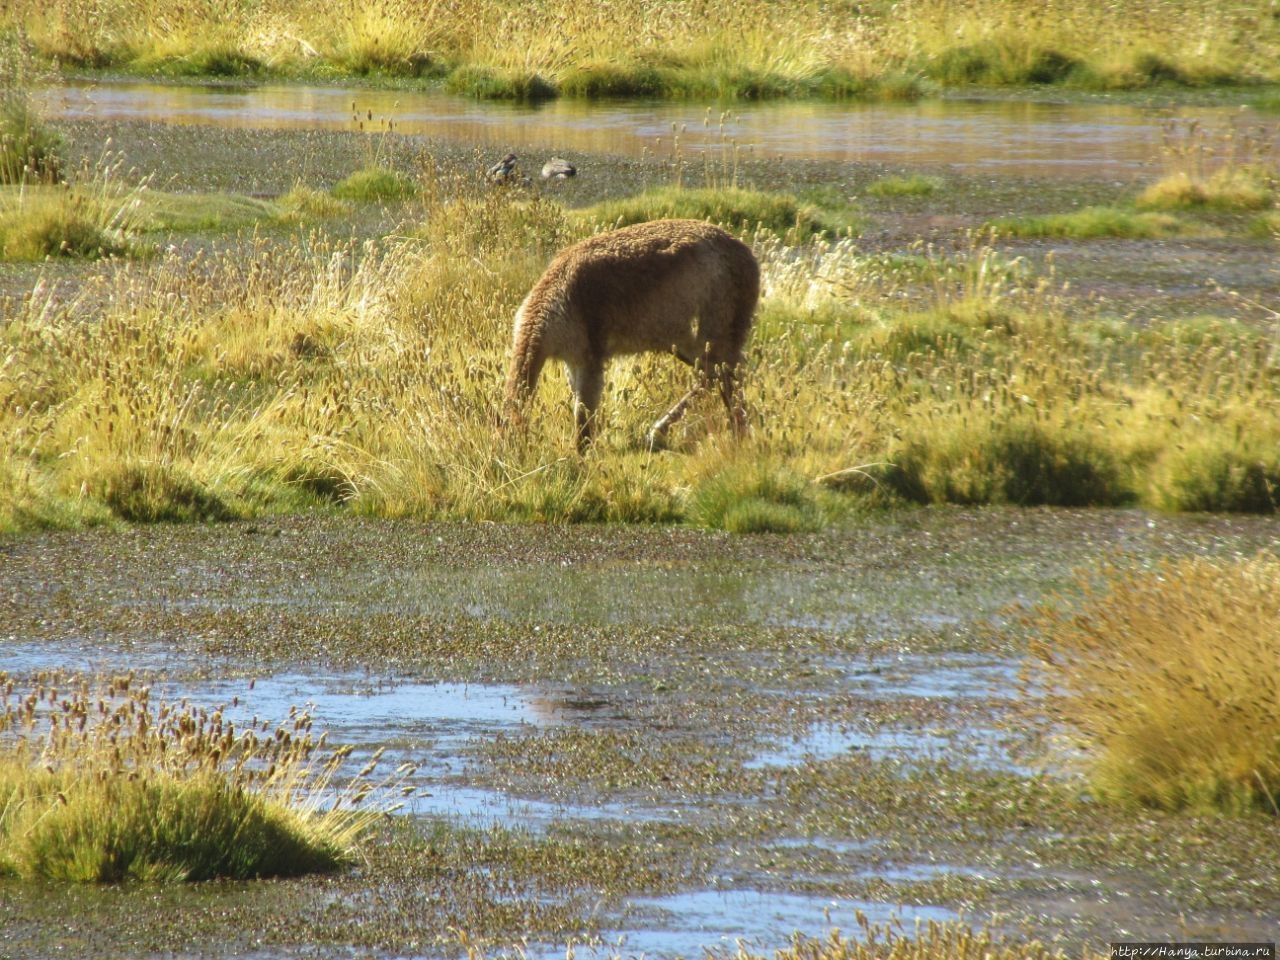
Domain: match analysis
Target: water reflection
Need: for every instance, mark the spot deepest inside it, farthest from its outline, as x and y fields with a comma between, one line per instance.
x=1018, y=138
x=433, y=725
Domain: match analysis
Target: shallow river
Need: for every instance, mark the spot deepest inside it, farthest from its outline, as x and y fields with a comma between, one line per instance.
x=998, y=138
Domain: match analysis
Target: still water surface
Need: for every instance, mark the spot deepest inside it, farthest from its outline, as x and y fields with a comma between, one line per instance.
x=982, y=137
x=433, y=726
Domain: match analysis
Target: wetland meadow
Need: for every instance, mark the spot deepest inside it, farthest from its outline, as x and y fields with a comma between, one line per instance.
x=968, y=649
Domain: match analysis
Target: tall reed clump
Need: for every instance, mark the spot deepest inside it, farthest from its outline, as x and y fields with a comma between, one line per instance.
x=101, y=783
x=98, y=215
x=1227, y=169
x=1169, y=678
x=29, y=151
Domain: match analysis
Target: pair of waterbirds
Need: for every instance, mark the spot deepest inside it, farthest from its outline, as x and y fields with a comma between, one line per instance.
x=506, y=169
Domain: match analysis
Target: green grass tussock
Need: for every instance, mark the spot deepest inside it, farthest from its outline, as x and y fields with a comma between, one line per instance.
x=98, y=216
x=100, y=784
x=54, y=222
x=487, y=83
x=747, y=495
x=913, y=185
x=373, y=185
x=599, y=80
x=1217, y=474
x=1092, y=223
x=739, y=208
x=1168, y=676
x=1012, y=461
x=1009, y=60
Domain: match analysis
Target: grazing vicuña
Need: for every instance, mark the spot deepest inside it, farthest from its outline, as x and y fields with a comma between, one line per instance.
x=672, y=286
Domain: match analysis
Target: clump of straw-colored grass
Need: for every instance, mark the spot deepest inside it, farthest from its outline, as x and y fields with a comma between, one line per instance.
x=99, y=215
x=29, y=150
x=102, y=783
x=1226, y=169
x=1169, y=678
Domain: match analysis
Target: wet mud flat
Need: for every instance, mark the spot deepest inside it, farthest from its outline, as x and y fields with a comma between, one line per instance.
x=650, y=741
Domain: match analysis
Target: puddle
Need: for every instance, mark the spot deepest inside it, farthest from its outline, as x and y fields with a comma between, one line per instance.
x=943, y=676
x=978, y=746
x=718, y=921
x=426, y=724
x=92, y=659
x=430, y=724
x=1045, y=139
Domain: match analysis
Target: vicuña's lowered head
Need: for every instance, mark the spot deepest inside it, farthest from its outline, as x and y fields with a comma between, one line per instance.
x=670, y=286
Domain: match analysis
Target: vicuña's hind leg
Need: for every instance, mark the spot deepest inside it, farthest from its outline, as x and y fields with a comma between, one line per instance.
x=587, y=383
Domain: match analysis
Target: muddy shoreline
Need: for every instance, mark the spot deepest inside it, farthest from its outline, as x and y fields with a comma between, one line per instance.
x=751, y=725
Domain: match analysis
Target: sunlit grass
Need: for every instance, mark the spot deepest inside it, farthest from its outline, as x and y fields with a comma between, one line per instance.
x=1228, y=168
x=373, y=184
x=1095, y=46
x=1168, y=677
x=103, y=783
x=747, y=50
x=913, y=185
x=738, y=207
x=99, y=215
x=29, y=150
x=1226, y=189
x=748, y=494
x=365, y=376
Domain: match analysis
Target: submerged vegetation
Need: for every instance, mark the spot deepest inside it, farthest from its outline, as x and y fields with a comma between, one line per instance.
x=893, y=941
x=756, y=49
x=804, y=734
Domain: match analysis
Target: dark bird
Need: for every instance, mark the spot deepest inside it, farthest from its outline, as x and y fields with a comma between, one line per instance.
x=503, y=169
x=558, y=168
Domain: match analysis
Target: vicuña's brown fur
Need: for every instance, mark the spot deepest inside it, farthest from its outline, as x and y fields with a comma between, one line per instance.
x=678, y=286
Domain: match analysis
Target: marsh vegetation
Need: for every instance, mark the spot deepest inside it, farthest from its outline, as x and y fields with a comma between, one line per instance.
x=100, y=784
x=689, y=49
x=750, y=715
x=265, y=357
x=682, y=738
